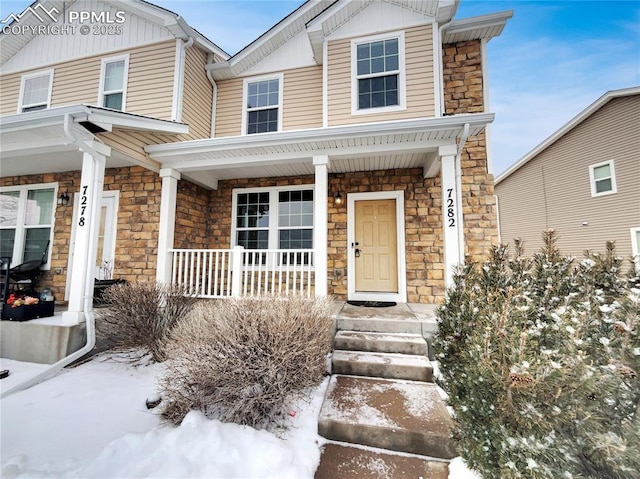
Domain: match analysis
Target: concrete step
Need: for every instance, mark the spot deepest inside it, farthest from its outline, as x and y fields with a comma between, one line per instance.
x=381, y=342
x=398, y=319
x=382, y=365
x=341, y=461
x=405, y=416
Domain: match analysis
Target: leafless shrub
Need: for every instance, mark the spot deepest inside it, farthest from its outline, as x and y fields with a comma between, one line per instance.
x=141, y=315
x=242, y=360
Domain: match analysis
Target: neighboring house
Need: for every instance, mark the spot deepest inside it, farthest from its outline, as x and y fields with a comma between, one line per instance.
x=341, y=153
x=583, y=182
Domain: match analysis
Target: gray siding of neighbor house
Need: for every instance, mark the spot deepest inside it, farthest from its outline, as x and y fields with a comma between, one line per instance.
x=553, y=189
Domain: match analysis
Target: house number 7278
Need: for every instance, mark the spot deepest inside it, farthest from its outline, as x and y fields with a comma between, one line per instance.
x=83, y=206
x=451, y=212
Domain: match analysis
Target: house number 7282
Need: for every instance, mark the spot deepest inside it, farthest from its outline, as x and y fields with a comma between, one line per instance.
x=83, y=206
x=451, y=212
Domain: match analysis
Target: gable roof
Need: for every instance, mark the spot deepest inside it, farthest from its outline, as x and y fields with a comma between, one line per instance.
x=575, y=121
x=10, y=44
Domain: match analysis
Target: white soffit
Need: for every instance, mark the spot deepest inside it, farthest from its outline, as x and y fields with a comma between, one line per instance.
x=476, y=28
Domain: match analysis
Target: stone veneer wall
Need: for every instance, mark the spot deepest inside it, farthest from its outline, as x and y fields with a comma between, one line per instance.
x=137, y=230
x=463, y=93
x=192, y=216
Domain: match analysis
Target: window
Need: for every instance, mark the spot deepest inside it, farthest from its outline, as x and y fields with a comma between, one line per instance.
x=274, y=218
x=26, y=221
x=635, y=246
x=378, y=79
x=263, y=105
x=603, y=178
x=113, y=82
x=35, y=91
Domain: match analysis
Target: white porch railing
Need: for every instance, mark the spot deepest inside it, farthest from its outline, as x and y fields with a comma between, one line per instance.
x=223, y=273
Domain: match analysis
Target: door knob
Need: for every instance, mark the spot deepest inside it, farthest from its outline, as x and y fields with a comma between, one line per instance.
x=357, y=252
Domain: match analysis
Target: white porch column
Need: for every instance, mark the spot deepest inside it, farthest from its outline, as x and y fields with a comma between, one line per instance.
x=86, y=237
x=321, y=164
x=169, y=193
x=452, y=221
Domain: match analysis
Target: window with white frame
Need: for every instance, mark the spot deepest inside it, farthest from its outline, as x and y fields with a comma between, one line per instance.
x=603, y=178
x=274, y=218
x=635, y=247
x=35, y=91
x=113, y=82
x=27, y=217
x=377, y=64
x=263, y=105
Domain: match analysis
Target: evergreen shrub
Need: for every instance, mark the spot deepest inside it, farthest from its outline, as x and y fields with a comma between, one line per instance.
x=540, y=358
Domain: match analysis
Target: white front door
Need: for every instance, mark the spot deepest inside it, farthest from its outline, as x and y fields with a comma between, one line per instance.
x=105, y=257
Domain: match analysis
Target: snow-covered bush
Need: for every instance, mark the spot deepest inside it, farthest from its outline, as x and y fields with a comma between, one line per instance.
x=242, y=360
x=540, y=358
x=141, y=314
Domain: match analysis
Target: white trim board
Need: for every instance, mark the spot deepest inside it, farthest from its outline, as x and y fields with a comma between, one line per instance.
x=352, y=294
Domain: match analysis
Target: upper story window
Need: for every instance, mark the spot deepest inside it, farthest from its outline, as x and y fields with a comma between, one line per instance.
x=113, y=82
x=35, y=91
x=603, y=178
x=26, y=221
x=378, y=78
x=262, y=111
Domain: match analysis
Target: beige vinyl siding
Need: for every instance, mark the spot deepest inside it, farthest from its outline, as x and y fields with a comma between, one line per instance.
x=229, y=108
x=562, y=172
x=302, y=105
x=9, y=93
x=149, y=84
x=131, y=143
x=198, y=95
x=419, y=80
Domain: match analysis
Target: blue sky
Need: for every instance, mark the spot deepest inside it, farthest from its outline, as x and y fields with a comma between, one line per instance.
x=553, y=59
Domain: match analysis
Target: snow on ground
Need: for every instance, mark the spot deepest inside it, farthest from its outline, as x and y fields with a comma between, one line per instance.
x=91, y=421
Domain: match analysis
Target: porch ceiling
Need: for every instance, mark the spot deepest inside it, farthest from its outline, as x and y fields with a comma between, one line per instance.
x=373, y=146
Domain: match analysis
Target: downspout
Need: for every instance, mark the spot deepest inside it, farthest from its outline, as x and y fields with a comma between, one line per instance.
x=214, y=101
x=89, y=315
x=461, y=144
x=439, y=80
x=183, y=56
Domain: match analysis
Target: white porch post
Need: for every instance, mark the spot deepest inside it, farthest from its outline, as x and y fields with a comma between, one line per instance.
x=452, y=221
x=166, y=234
x=86, y=234
x=321, y=164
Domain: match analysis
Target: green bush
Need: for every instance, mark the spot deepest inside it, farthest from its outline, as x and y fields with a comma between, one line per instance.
x=540, y=359
x=141, y=315
x=242, y=360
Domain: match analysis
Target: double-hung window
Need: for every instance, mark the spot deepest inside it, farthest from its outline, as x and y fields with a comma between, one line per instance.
x=113, y=82
x=35, y=91
x=262, y=110
x=26, y=221
x=274, y=218
x=378, y=73
x=603, y=178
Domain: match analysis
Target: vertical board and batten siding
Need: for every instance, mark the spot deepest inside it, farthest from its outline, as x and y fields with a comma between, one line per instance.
x=45, y=50
x=420, y=100
x=149, y=84
x=611, y=133
x=302, y=103
x=198, y=95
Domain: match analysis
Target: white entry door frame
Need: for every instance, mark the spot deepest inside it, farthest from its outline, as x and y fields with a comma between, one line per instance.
x=106, y=235
x=352, y=294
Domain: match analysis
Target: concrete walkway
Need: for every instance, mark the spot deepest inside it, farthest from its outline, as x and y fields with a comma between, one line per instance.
x=382, y=414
